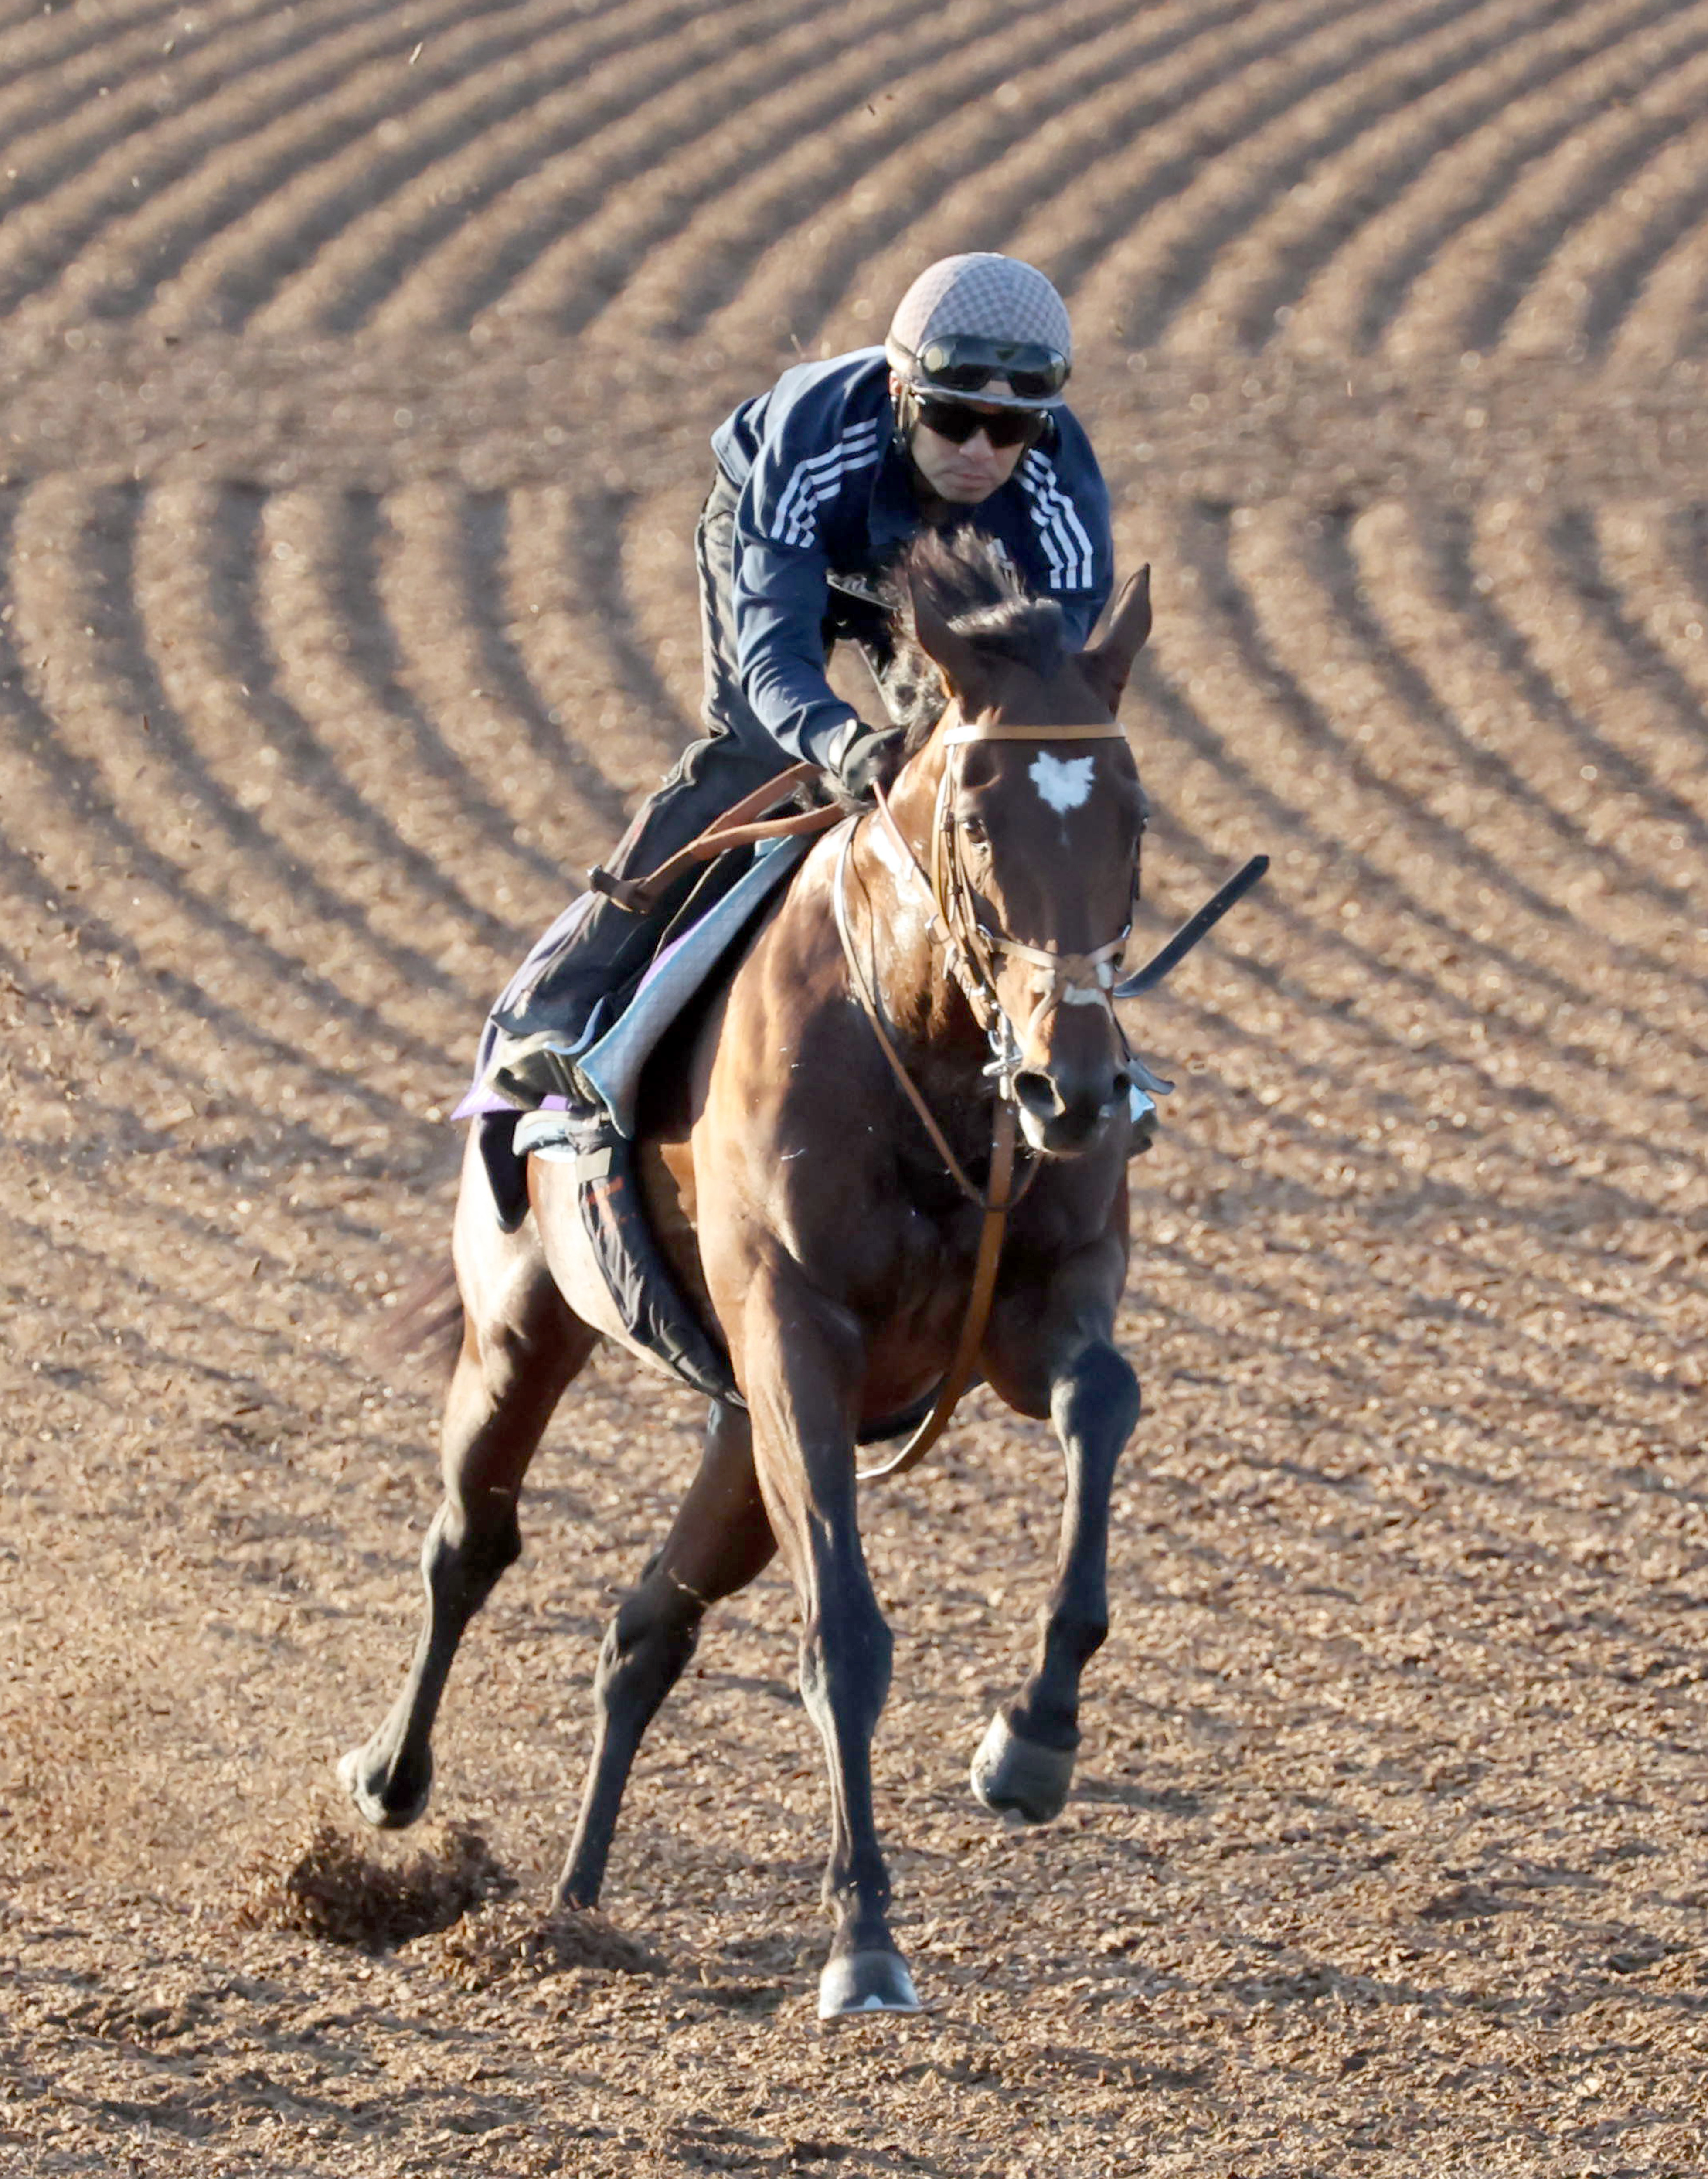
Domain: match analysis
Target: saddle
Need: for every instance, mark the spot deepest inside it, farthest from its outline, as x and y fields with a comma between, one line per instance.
x=747, y=863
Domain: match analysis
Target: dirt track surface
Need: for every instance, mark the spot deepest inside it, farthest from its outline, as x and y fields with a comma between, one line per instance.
x=358, y=363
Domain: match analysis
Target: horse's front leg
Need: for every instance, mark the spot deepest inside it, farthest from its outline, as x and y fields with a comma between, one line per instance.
x=804, y=1361
x=1069, y=1363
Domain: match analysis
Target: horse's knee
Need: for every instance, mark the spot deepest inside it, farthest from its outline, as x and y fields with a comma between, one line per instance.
x=1098, y=1397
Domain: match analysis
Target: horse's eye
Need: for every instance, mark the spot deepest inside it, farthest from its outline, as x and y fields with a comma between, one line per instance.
x=973, y=831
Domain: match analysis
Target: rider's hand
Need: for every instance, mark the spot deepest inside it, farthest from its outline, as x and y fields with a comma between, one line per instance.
x=861, y=760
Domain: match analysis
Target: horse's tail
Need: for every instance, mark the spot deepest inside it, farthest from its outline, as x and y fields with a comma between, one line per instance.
x=424, y=1325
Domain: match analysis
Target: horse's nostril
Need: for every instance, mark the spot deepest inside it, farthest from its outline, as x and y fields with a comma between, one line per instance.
x=1037, y=1094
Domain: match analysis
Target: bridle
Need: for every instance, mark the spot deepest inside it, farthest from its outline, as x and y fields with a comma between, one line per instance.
x=973, y=949
x=970, y=949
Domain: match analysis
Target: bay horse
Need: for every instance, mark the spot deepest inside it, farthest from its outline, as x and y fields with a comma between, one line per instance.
x=818, y=1172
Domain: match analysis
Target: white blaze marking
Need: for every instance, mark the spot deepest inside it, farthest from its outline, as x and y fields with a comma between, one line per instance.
x=1064, y=782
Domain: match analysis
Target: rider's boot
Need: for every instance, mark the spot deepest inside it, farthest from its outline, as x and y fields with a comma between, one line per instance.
x=526, y=1069
x=558, y=1005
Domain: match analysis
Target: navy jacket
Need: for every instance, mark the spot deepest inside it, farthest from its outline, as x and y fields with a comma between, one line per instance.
x=826, y=505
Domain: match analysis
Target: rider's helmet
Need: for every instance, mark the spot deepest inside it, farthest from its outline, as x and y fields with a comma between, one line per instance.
x=979, y=316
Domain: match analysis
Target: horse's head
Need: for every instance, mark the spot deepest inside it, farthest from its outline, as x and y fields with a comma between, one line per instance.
x=1034, y=850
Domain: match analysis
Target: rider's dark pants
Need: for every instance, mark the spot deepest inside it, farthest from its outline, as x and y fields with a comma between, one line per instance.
x=595, y=946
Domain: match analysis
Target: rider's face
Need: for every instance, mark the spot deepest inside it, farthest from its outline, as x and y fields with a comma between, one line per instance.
x=967, y=474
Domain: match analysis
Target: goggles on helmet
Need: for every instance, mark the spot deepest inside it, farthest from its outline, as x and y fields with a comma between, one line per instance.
x=966, y=363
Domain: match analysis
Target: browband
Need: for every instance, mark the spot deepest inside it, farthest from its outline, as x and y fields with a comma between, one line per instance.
x=992, y=731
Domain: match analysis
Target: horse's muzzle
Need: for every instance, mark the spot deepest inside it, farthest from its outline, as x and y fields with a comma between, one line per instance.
x=1063, y=1112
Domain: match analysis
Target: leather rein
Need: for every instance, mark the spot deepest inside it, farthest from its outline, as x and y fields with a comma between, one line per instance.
x=970, y=947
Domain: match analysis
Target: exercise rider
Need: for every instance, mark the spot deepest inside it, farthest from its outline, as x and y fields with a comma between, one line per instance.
x=821, y=484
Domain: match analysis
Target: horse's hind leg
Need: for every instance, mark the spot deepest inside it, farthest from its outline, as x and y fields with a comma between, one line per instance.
x=521, y=1346
x=720, y=1540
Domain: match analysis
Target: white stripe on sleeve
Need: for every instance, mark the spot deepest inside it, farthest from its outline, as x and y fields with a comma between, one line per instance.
x=819, y=478
x=1067, y=546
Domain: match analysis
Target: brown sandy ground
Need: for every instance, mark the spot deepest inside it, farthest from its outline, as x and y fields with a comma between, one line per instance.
x=356, y=369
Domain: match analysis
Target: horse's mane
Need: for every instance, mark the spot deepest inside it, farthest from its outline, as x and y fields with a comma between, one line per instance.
x=974, y=585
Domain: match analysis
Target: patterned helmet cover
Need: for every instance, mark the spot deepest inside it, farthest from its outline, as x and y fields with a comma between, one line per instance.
x=981, y=294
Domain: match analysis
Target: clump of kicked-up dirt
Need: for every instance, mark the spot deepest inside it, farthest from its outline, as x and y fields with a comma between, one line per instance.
x=514, y=1940
x=332, y=1890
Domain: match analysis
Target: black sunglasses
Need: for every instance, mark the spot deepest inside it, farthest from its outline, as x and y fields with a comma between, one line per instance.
x=955, y=421
x=964, y=364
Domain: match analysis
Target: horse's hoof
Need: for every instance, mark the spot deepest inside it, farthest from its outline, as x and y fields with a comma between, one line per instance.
x=1020, y=1780
x=374, y=1808
x=865, y=1982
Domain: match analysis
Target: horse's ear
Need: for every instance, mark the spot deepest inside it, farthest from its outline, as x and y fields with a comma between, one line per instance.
x=938, y=641
x=1108, y=663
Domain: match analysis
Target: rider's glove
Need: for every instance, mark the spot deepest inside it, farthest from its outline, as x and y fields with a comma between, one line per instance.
x=860, y=758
